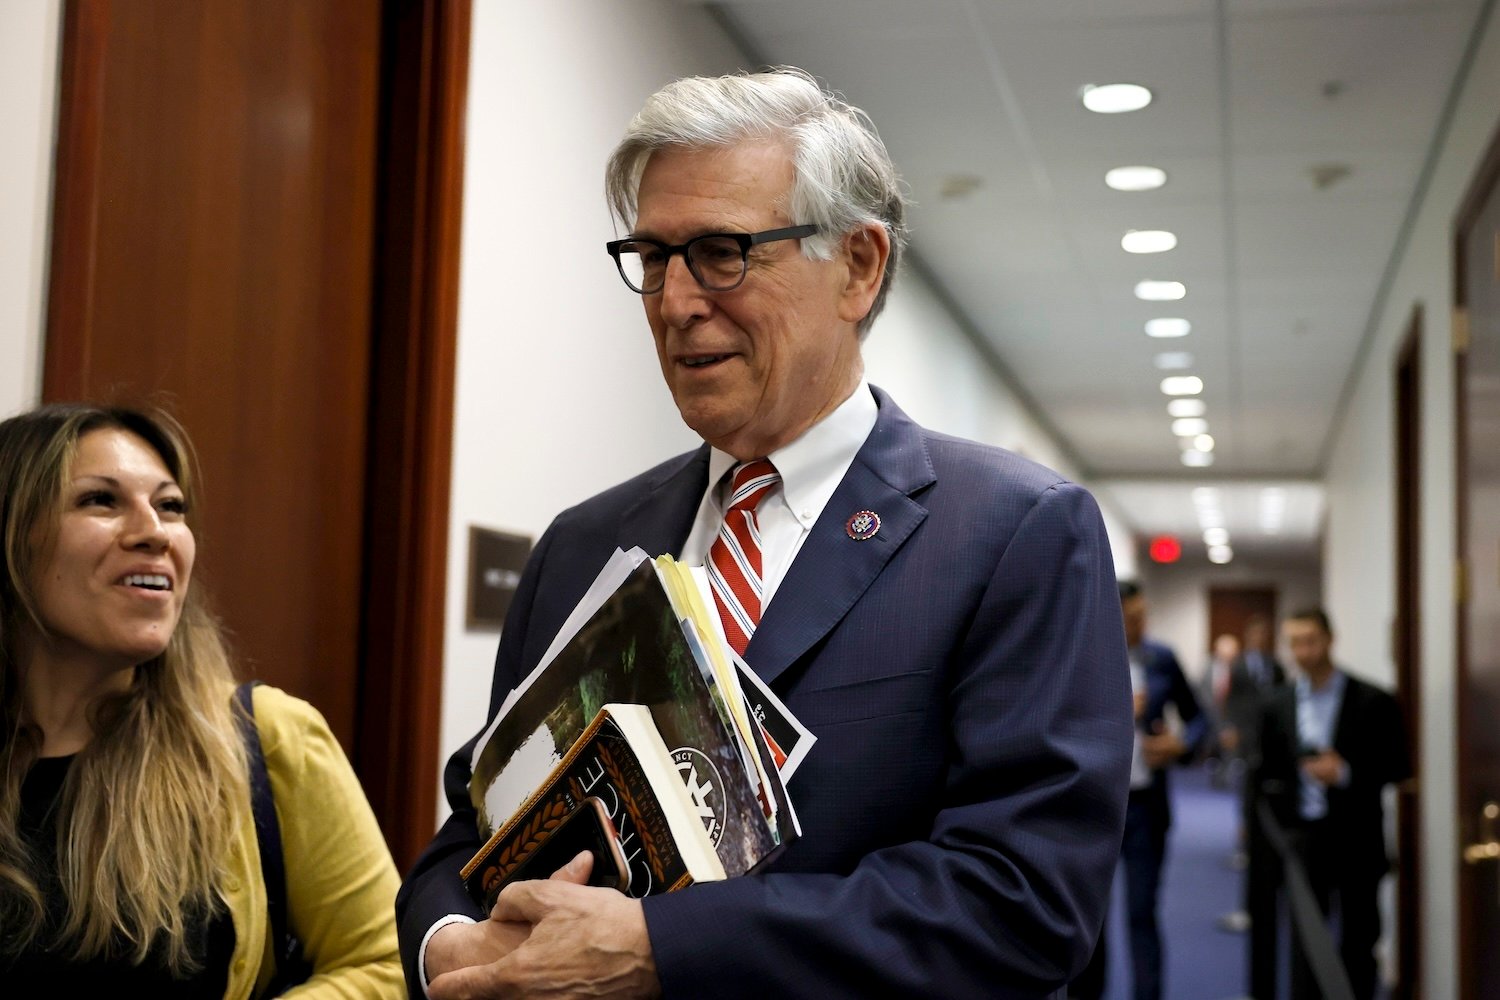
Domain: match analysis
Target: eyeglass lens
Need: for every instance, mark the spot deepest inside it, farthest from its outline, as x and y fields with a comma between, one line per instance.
x=716, y=261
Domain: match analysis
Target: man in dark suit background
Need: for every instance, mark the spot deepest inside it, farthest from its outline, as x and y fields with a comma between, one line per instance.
x=1252, y=677
x=1328, y=745
x=941, y=614
x=1157, y=681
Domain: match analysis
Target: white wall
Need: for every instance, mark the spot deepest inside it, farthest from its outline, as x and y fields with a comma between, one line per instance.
x=1359, y=576
x=28, y=98
x=558, y=393
x=918, y=353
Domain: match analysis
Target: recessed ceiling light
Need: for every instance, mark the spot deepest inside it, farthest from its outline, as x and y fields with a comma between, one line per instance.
x=1197, y=459
x=1182, y=385
x=1114, y=98
x=1160, y=291
x=1186, y=408
x=1135, y=178
x=1209, y=517
x=1148, y=241
x=1220, y=554
x=1203, y=442
x=1173, y=360
x=1216, y=536
x=1168, y=326
x=1188, y=426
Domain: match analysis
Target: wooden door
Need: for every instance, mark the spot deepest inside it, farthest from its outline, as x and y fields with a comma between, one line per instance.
x=255, y=221
x=1229, y=608
x=1407, y=644
x=1477, y=343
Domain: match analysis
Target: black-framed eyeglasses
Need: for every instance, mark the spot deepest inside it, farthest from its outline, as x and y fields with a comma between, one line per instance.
x=717, y=260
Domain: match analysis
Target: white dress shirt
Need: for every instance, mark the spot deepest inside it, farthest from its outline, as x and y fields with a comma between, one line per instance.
x=811, y=469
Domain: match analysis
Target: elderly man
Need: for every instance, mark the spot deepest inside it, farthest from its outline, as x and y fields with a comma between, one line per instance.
x=939, y=613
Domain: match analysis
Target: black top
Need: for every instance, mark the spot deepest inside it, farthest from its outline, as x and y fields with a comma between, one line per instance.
x=42, y=972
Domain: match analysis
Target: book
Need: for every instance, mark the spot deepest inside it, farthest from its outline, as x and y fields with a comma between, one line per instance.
x=627, y=643
x=620, y=761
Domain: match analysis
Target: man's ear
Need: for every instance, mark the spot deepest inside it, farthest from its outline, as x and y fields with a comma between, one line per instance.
x=866, y=251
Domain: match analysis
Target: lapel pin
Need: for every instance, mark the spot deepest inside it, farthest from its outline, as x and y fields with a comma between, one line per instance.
x=862, y=526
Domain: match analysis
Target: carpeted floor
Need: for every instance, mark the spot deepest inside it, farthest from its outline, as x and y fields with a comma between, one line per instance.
x=1203, y=962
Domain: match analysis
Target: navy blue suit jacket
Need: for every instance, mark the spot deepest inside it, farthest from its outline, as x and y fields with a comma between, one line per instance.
x=964, y=671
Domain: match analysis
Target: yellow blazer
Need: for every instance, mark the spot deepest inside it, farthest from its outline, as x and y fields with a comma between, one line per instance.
x=341, y=882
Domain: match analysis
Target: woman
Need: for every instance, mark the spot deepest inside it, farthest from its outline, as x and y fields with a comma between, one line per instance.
x=129, y=860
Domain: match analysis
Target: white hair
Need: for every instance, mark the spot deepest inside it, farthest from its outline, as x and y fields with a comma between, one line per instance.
x=843, y=176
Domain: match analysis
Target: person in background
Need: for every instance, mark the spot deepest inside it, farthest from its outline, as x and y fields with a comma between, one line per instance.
x=1253, y=677
x=1213, y=694
x=129, y=858
x=1158, y=682
x=1328, y=745
x=939, y=613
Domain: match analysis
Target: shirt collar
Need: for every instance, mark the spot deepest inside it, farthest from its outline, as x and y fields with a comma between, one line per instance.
x=1334, y=689
x=813, y=465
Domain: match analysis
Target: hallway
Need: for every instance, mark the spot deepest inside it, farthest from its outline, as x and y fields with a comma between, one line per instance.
x=1202, y=961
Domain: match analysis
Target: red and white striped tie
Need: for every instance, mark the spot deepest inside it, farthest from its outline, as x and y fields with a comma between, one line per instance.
x=734, y=566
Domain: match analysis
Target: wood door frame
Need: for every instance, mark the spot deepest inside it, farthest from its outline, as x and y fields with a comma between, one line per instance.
x=1407, y=647
x=75, y=198
x=424, y=90
x=1486, y=178
x=426, y=70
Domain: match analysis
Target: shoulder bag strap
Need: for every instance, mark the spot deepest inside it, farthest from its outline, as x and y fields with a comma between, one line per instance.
x=290, y=966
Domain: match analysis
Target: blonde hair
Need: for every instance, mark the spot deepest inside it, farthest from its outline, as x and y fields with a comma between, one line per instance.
x=150, y=808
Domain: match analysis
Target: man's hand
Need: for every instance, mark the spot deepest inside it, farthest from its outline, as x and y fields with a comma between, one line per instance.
x=1326, y=768
x=1229, y=739
x=1161, y=748
x=583, y=941
x=459, y=946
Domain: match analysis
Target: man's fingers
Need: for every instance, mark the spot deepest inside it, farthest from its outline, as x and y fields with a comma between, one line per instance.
x=526, y=901
x=576, y=871
x=471, y=983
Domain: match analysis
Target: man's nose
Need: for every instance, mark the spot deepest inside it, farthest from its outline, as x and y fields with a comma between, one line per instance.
x=683, y=300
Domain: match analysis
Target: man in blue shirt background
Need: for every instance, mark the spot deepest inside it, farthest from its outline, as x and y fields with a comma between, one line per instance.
x=1329, y=744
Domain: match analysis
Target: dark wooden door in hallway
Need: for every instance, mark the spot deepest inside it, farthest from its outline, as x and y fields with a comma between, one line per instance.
x=1478, y=427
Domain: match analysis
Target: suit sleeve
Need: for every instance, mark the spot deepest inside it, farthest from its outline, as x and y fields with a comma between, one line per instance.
x=432, y=889
x=1195, y=721
x=1005, y=896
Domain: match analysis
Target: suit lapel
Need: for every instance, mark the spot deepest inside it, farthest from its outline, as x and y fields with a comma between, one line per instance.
x=661, y=519
x=832, y=570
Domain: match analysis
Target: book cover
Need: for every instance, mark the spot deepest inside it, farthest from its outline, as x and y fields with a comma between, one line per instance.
x=621, y=760
x=631, y=650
